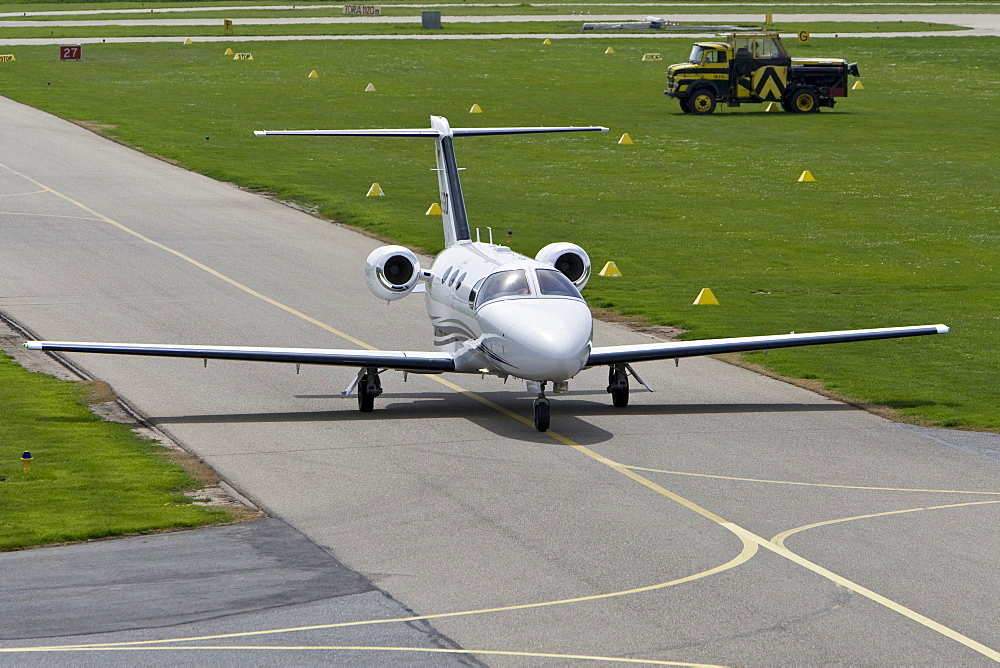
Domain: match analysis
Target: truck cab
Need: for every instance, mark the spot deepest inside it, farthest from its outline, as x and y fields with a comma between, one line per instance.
x=755, y=67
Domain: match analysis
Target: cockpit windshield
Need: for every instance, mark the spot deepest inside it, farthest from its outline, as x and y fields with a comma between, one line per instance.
x=510, y=283
x=555, y=284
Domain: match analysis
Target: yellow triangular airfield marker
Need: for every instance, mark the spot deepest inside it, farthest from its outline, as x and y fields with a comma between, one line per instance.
x=313, y=75
x=370, y=88
x=547, y=41
x=476, y=109
x=706, y=298
x=228, y=52
x=609, y=50
x=188, y=41
x=857, y=86
x=611, y=270
x=434, y=210
x=625, y=139
x=375, y=191
x=806, y=177
x=773, y=106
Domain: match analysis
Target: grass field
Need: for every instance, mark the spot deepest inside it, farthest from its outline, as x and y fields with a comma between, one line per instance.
x=898, y=229
x=594, y=6
x=89, y=478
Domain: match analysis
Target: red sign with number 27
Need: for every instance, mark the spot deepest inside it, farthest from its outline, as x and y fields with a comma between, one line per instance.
x=70, y=52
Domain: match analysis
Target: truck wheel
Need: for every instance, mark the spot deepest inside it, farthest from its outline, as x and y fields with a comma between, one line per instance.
x=684, y=106
x=702, y=101
x=804, y=101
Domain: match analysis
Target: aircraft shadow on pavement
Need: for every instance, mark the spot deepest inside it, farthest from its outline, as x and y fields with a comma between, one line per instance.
x=568, y=418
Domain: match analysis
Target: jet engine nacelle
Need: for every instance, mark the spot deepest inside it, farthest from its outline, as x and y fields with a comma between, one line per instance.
x=568, y=258
x=392, y=272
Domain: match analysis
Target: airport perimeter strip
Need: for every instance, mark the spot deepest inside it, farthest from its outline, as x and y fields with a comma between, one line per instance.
x=751, y=541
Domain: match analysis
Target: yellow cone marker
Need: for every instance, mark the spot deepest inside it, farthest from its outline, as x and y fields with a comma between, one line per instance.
x=609, y=50
x=773, y=106
x=370, y=88
x=611, y=270
x=188, y=41
x=625, y=139
x=434, y=210
x=857, y=86
x=806, y=177
x=547, y=41
x=375, y=191
x=476, y=109
x=228, y=52
x=26, y=461
x=706, y=298
x=313, y=75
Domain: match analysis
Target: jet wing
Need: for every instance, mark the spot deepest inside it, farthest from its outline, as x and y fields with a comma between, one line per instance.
x=388, y=359
x=676, y=349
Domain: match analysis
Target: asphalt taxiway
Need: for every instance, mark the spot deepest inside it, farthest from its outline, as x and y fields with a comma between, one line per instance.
x=726, y=518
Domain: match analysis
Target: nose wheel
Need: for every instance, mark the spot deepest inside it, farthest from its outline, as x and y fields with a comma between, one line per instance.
x=542, y=413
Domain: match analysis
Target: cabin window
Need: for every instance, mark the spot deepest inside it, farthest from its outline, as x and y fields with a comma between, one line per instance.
x=511, y=283
x=555, y=284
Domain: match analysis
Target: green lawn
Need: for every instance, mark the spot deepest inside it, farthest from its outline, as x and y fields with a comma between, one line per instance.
x=898, y=229
x=593, y=6
x=89, y=478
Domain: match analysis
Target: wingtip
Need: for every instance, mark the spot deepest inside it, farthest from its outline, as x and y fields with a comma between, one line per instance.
x=942, y=329
x=33, y=345
x=260, y=133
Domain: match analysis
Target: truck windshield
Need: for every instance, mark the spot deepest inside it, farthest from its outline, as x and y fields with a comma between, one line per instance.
x=696, y=52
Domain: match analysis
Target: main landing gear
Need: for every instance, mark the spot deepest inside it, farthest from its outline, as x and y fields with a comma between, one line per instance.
x=369, y=387
x=618, y=385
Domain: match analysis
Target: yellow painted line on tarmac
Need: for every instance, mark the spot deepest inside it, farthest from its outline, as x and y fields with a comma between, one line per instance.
x=33, y=192
x=433, y=650
x=47, y=215
x=748, y=551
x=749, y=538
x=191, y=260
x=807, y=484
x=779, y=540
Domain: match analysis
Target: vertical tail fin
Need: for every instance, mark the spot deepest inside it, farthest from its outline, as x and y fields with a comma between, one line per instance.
x=454, y=217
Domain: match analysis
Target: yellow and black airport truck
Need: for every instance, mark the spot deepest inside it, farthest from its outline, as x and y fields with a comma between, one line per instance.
x=755, y=67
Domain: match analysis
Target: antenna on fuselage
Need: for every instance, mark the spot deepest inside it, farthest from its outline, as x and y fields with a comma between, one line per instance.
x=453, y=214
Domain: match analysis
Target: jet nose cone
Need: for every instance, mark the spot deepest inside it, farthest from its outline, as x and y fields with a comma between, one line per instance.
x=555, y=342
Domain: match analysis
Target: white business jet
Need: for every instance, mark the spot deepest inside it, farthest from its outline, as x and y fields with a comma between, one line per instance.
x=494, y=311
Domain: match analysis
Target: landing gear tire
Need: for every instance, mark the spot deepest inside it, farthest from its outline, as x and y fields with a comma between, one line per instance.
x=542, y=414
x=702, y=102
x=618, y=386
x=366, y=394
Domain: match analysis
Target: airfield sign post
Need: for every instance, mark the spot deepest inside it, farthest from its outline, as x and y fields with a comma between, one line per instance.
x=70, y=52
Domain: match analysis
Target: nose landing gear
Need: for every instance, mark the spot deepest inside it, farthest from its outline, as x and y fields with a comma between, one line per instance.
x=542, y=413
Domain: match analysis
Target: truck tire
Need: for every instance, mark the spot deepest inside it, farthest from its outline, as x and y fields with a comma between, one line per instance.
x=803, y=101
x=684, y=106
x=702, y=101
